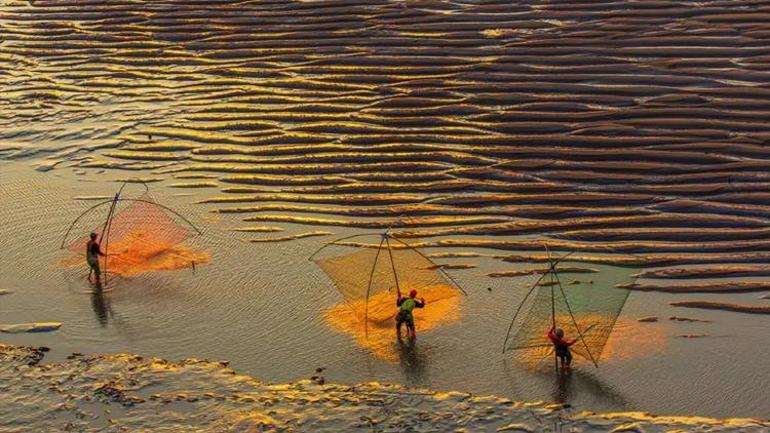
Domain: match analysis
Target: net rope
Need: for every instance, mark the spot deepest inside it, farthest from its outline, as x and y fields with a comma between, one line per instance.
x=137, y=235
x=585, y=306
x=362, y=272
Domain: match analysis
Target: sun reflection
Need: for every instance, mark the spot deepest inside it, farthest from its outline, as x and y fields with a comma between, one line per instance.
x=140, y=251
x=379, y=336
x=630, y=339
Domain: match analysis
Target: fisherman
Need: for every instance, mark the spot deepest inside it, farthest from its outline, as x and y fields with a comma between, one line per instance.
x=405, y=307
x=561, y=346
x=93, y=251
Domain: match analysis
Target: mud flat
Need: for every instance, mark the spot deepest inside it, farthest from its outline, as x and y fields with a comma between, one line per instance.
x=725, y=271
x=752, y=309
x=638, y=127
x=132, y=393
x=726, y=287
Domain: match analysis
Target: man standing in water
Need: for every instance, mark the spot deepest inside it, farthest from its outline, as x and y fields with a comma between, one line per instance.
x=405, y=307
x=561, y=346
x=93, y=251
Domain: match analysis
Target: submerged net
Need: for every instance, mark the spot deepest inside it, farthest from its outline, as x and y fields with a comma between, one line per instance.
x=579, y=302
x=140, y=235
x=369, y=275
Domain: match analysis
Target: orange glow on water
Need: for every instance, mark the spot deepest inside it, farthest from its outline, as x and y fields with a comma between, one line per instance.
x=140, y=251
x=630, y=339
x=379, y=336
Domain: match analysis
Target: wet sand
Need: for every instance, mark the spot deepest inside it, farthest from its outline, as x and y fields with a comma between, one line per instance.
x=132, y=393
x=753, y=309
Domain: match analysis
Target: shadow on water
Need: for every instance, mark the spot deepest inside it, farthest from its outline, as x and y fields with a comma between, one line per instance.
x=413, y=362
x=566, y=383
x=101, y=305
x=571, y=386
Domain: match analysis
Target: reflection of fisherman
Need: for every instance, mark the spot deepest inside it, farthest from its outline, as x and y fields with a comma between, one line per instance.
x=93, y=251
x=101, y=306
x=561, y=346
x=405, y=307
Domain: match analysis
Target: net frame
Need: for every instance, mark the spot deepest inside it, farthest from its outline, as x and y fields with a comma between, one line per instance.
x=384, y=244
x=104, y=234
x=558, y=295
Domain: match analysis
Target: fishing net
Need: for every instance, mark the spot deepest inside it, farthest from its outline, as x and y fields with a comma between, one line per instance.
x=369, y=275
x=139, y=235
x=583, y=301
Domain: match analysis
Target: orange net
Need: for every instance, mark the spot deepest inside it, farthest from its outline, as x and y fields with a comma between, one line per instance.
x=361, y=272
x=442, y=306
x=369, y=276
x=138, y=236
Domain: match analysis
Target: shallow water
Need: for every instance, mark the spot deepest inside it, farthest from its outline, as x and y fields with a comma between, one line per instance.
x=492, y=127
x=261, y=306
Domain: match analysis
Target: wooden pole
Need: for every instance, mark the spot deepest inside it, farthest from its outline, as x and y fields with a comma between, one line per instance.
x=572, y=316
x=101, y=236
x=107, y=240
x=551, y=272
x=393, y=266
x=529, y=293
x=369, y=288
x=553, y=319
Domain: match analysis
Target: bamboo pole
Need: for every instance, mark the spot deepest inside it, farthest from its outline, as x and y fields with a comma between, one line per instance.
x=393, y=266
x=369, y=288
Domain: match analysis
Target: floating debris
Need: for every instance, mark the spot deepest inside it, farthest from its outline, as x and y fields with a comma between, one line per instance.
x=30, y=327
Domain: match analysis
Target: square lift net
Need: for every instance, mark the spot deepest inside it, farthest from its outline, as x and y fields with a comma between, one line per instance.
x=370, y=272
x=132, y=231
x=585, y=305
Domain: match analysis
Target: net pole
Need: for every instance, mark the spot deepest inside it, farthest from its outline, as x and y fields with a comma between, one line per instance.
x=393, y=266
x=107, y=240
x=580, y=333
x=107, y=233
x=551, y=272
x=335, y=242
x=369, y=288
x=521, y=305
x=553, y=321
x=107, y=227
x=112, y=209
x=104, y=229
x=440, y=269
x=72, y=225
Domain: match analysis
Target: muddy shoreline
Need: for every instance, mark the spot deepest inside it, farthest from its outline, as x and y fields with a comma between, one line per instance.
x=127, y=392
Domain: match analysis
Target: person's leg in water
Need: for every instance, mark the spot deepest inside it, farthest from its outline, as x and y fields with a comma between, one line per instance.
x=410, y=327
x=94, y=264
x=399, y=323
x=564, y=358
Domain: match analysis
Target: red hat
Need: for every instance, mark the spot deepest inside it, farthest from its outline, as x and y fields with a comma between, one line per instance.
x=413, y=293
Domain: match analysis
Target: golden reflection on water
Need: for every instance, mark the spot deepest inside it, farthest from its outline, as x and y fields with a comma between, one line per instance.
x=138, y=252
x=630, y=339
x=379, y=336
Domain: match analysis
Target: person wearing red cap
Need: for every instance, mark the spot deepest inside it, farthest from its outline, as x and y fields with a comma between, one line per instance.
x=405, y=307
x=561, y=346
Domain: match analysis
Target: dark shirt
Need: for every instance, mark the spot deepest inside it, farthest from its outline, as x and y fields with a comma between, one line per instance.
x=93, y=249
